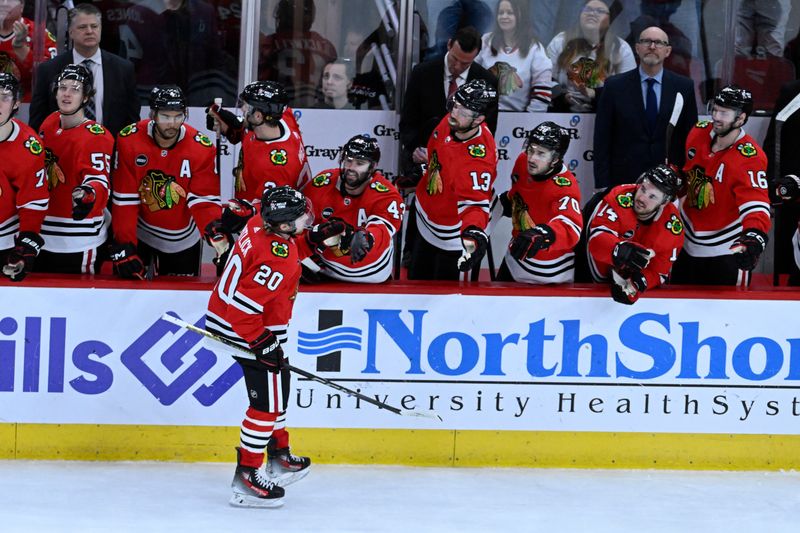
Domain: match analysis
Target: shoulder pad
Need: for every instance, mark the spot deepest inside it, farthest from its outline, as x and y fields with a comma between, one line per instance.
x=562, y=181
x=477, y=150
x=95, y=129
x=278, y=156
x=280, y=249
x=321, y=180
x=130, y=129
x=747, y=149
x=703, y=123
x=674, y=225
x=202, y=139
x=33, y=145
x=379, y=187
x=625, y=200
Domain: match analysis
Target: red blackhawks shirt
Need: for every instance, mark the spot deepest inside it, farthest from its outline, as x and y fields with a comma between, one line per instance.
x=75, y=156
x=613, y=221
x=555, y=201
x=457, y=188
x=23, y=185
x=23, y=70
x=163, y=196
x=379, y=209
x=257, y=290
x=727, y=192
x=266, y=164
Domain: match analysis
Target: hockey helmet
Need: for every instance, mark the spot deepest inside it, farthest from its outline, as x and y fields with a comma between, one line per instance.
x=167, y=98
x=735, y=97
x=269, y=97
x=361, y=147
x=665, y=178
x=80, y=74
x=285, y=205
x=475, y=95
x=8, y=82
x=551, y=136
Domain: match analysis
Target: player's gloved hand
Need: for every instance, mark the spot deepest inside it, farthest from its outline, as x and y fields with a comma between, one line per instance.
x=360, y=245
x=748, y=248
x=787, y=187
x=627, y=291
x=505, y=201
x=528, y=243
x=83, y=199
x=630, y=258
x=268, y=351
x=474, y=241
x=328, y=233
x=231, y=126
x=235, y=215
x=127, y=264
x=216, y=235
x=20, y=259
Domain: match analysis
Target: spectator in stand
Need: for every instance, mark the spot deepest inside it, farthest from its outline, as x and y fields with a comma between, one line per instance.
x=584, y=56
x=459, y=14
x=337, y=79
x=513, y=54
x=761, y=26
x=17, y=36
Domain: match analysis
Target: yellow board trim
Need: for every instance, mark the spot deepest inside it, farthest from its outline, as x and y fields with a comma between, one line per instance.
x=543, y=449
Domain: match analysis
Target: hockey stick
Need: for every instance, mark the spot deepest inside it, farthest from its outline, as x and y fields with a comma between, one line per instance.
x=784, y=114
x=250, y=355
x=673, y=121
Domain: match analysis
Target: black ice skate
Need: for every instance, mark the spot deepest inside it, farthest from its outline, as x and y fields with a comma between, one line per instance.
x=253, y=488
x=283, y=467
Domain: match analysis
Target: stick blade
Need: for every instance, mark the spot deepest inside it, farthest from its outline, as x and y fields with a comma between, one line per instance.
x=676, y=109
x=788, y=110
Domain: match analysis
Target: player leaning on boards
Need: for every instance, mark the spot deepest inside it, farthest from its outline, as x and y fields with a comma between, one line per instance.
x=544, y=204
x=165, y=186
x=251, y=305
x=363, y=207
x=23, y=187
x=635, y=234
x=726, y=207
x=78, y=158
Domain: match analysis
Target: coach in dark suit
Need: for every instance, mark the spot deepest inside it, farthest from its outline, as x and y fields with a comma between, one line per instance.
x=115, y=104
x=632, y=115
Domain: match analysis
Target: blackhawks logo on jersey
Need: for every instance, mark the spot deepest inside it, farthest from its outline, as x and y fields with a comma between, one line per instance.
x=379, y=187
x=520, y=218
x=278, y=156
x=202, y=139
x=625, y=200
x=477, y=150
x=562, y=181
x=95, y=129
x=700, y=193
x=34, y=146
x=435, y=185
x=280, y=249
x=321, y=180
x=747, y=149
x=130, y=129
x=703, y=123
x=54, y=173
x=675, y=225
x=159, y=191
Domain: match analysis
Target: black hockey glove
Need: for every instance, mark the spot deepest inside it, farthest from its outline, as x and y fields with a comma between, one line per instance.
x=787, y=187
x=528, y=243
x=127, y=264
x=20, y=259
x=216, y=235
x=475, y=241
x=748, y=248
x=328, y=233
x=234, y=126
x=268, y=351
x=236, y=214
x=630, y=258
x=627, y=292
x=505, y=201
x=83, y=199
x=360, y=245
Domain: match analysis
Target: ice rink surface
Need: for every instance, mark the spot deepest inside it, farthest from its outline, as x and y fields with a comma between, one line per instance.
x=44, y=496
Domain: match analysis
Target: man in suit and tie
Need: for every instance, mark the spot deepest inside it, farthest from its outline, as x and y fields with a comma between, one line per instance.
x=115, y=103
x=632, y=115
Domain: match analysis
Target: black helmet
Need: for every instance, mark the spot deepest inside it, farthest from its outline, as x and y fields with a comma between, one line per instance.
x=167, y=98
x=551, y=136
x=269, y=97
x=282, y=205
x=80, y=74
x=9, y=82
x=735, y=97
x=476, y=95
x=664, y=178
x=361, y=147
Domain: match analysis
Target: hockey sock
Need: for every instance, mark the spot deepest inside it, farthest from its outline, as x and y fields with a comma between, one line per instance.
x=255, y=432
x=280, y=434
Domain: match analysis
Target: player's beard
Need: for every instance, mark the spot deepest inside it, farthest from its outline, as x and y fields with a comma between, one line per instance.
x=726, y=129
x=168, y=134
x=352, y=180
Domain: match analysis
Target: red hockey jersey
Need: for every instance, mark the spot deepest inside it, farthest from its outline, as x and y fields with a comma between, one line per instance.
x=613, y=221
x=23, y=70
x=457, y=188
x=555, y=201
x=379, y=209
x=75, y=156
x=257, y=290
x=727, y=192
x=23, y=184
x=163, y=196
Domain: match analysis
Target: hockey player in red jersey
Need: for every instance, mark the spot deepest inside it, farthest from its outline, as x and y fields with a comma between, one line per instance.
x=164, y=188
x=78, y=159
x=726, y=207
x=23, y=187
x=635, y=234
x=251, y=305
x=18, y=40
x=453, y=198
x=369, y=207
x=544, y=204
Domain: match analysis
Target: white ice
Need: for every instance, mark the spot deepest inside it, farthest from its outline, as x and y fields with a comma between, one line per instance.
x=45, y=496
